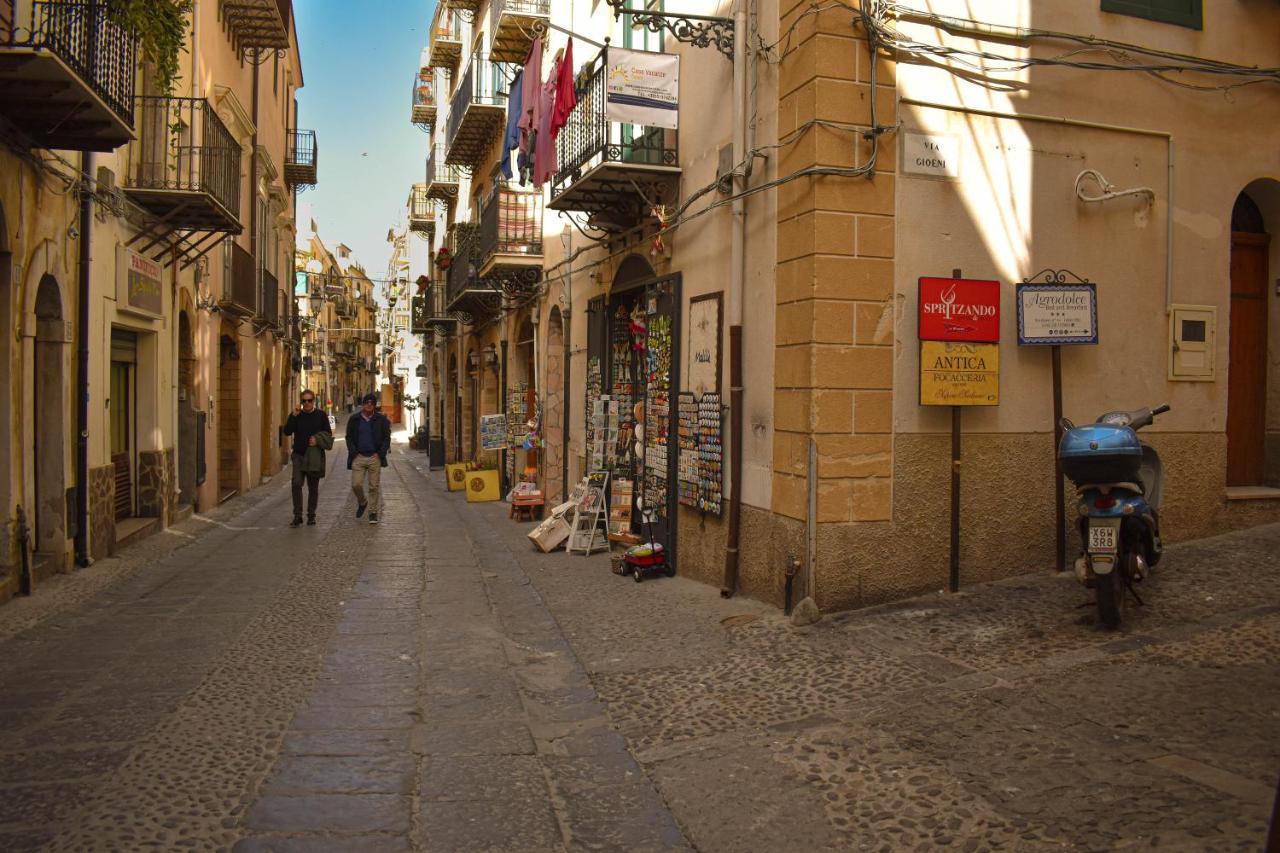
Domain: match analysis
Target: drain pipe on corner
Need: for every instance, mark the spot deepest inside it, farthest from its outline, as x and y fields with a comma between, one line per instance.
x=82, y=367
x=737, y=284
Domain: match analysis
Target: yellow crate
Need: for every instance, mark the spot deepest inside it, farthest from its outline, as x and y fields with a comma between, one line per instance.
x=455, y=475
x=483, y=486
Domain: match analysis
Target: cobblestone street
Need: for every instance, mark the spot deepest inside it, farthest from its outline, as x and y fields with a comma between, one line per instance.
x=434, y=684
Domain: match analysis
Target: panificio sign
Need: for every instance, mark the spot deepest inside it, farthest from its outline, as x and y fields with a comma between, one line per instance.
x=959, y=374
x=959, y=309
x=1051, y=314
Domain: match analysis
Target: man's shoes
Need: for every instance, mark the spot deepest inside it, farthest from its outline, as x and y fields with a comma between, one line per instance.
x=360, y=509
x=297, y=521
x=311, y=521
x=373, y=518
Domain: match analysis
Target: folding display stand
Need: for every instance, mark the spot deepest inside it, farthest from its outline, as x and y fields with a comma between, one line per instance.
x=590, y=516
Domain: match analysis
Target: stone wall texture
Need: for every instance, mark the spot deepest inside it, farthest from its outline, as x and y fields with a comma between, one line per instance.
x=157, y=485
x=102, y=519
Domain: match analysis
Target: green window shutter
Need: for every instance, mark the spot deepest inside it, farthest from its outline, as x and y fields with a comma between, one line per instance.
x=1184, y=13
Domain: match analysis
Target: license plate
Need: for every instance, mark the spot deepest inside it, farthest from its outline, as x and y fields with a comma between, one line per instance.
x=1102, y=539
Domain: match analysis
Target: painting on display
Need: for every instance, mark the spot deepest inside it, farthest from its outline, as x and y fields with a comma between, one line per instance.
x=704, y=344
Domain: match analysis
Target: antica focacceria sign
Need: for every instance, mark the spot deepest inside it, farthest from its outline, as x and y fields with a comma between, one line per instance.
x=959, y=374
x=139, y=284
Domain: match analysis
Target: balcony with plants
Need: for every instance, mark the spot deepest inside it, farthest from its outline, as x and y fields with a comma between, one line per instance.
x=67, y=75
x=612, y=171
x=423, y=111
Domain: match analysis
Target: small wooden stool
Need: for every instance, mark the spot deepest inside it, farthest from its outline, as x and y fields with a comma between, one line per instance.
x=524, y=508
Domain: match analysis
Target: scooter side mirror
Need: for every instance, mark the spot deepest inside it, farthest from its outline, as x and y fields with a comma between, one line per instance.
x=1065, y=424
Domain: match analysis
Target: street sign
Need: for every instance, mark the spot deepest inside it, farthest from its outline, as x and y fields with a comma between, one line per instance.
x=959, y=309
x=1051, y=314
x=959, y=374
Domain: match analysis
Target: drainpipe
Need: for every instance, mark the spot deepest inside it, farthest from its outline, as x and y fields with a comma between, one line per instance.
x=82, y=370
x=253, y=183
x=737, y=280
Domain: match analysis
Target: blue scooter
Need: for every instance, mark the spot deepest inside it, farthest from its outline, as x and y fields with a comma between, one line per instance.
x=1119, y=481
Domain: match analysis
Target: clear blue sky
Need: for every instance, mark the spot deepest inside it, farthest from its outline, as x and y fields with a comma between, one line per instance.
x=358, y=65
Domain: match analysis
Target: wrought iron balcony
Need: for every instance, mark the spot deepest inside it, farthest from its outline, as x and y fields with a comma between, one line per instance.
x=301, y=159
x=185, y=167
x=345, y=307
x=445, y=49
x=442, y=179
x=240, y=292
x=269, y=298
x=422, y=215
x=254, y=24
x=67, y=74
x=609, y=170
x=467, y=291
x=511, y=237
x=477, y=113
x=419, y=311
x=423, y=113
x=464, y=7
x=516, y=22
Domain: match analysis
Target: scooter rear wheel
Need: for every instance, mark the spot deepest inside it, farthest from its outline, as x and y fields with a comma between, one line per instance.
x=1110, y=591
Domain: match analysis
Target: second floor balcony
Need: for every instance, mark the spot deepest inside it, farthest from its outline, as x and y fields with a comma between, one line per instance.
x=301, y=159
x=269, y=298
x=445, y=48
x=610, y=170
x=511, y=236
x=67, y=74
x=240, y=284
x=423, y=112
x=466, y=291
x=462, y=7
x=422, y=211
x=442, y=179
x=185, y=167
x=257, y=24
x=516, y=22
x=477, y=113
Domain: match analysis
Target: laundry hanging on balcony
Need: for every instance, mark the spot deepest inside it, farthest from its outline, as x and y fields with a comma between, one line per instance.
x=566, y=96
x=511, y=139
x=530, y=84
x=544, y=154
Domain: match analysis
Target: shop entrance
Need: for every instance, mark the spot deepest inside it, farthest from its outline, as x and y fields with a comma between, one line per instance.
x=187, y=462
x=50, y=432
x=632, y=382
x=1247, y=375
x=122, y=412
x=554, y=437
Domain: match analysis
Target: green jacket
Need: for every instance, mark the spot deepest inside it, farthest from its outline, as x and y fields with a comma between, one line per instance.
x=313, y=462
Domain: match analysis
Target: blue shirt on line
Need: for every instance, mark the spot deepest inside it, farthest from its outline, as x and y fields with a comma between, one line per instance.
x=364, y=436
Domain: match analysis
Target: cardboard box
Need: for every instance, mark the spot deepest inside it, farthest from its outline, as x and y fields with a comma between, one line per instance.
x=550, y=534
x=483, y=486
x=455, y=475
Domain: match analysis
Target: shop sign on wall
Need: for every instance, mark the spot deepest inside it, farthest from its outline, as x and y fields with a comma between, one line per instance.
x=139, y=284
x=959, y=309
x=642, y=87
x=959, y=374
x=1050, y=314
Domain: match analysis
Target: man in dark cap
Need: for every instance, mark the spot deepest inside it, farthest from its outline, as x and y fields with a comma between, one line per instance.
x=368, y=441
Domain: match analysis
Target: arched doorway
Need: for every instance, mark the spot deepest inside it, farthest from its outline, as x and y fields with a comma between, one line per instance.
x=266, y=408
x=553, y=432
x=49, y=414
x=1247, y=380
x=453, y=423
x=189, y=465
x=228, y=414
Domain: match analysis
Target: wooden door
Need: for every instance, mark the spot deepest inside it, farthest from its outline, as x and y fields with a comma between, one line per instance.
x=1247, y=374
x=121, y=416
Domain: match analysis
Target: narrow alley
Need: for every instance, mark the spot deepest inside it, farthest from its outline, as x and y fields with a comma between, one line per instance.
x=433, y=683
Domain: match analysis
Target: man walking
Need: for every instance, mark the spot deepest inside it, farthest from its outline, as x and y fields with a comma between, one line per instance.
x=368, y=440
x=309, y=427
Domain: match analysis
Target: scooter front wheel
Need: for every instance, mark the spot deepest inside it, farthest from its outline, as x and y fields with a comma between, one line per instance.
x=1110, y=592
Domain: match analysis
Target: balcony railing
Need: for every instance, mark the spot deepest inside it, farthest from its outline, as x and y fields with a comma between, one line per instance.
x=186, y=165
x=423, y=112
x=73, y=86
x=257, y=24
x=419, y=312
x=477, y=112
x=516, y=21
x=240, y=292
x=445, y=49
x=442, y=178
x=463, y=6
x=464, y=251
x=511, y=233
x=607, y=167
x=269, y=298
x=422, y=215
x=302, y=158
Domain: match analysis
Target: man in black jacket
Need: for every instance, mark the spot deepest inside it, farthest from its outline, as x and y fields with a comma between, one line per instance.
x=304, y=424
x=368, y=441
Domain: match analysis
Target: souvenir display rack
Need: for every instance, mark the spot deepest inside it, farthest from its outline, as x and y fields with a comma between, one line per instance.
x=657, y=421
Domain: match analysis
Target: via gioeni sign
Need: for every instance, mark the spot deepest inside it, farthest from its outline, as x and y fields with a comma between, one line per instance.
x=959, y=309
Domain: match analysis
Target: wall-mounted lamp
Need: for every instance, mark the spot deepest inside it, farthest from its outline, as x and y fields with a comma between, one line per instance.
x=491, y=357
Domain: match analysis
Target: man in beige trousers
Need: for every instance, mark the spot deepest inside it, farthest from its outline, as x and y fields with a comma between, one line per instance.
x=368, y=441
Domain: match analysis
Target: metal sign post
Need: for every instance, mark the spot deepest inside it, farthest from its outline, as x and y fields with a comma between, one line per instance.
x=959, y=332
x=1057, y=307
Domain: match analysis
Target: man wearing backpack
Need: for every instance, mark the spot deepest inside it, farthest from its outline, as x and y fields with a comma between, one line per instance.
x=368, y=441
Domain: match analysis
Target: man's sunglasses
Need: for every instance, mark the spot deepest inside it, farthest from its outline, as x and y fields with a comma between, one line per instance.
x=308, y=399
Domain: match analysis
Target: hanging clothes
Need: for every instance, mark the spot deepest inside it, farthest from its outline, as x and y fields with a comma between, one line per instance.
x=530, y=83
x=566, y=97
x=511, y=139
x=544, y=155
